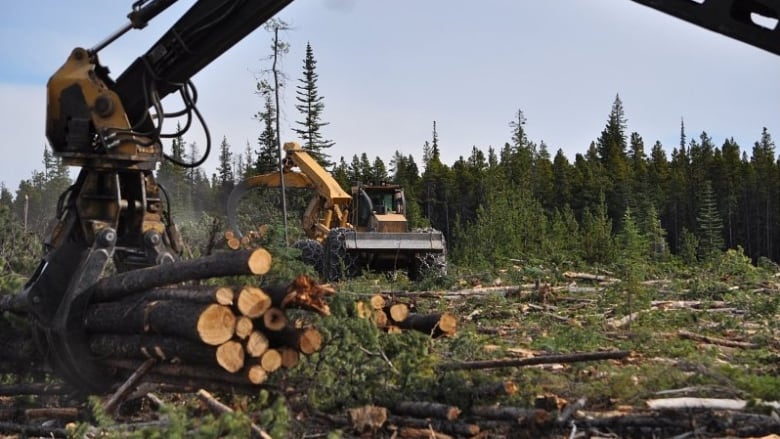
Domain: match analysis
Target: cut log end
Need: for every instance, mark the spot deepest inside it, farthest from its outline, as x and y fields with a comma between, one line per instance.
x=253, y=302
x=290, y=357
x=216, y=324
x=230, y=356
x=257, y=375
x=244, y=327
x=448, y=323
x=225, y=296
x=398, y=312
x=271, y=360
x=310, y=341
x=256, y=344
x=274, y=319
x=260, y=261
x=377, y=301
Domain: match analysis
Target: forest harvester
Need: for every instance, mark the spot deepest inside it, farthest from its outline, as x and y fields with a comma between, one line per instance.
x=347, y=231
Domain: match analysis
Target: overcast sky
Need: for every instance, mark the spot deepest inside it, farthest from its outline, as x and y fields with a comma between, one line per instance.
x=387, y=70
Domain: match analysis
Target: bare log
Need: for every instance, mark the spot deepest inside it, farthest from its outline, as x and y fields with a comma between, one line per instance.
x=220, y=409
x=717, y=341
x=230, y=356
x=696, y=403
x=532, y=361
x=424, y=409
x=434, y=324
x=256, y=262
x=253, y=302
x=211, y=323
x=421, y=433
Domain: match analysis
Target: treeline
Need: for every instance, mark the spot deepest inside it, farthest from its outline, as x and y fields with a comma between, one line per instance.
x=520, y=202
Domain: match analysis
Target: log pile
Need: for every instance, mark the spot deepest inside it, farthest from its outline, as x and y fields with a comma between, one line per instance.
x=195, y=333
x=394, y=316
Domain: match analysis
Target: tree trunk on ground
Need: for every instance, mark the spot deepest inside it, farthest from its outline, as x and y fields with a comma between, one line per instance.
x=434, y=324
x=257, y=262
x=141, y=347
x=423, y=409
x=212, y=324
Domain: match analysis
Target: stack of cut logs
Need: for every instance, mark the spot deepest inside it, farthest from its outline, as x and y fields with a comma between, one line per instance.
x=233, y=242
x=223, y=334
x=395, y=316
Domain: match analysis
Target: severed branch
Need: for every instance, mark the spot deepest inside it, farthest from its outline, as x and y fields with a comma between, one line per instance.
x=217, y=407
x=532, y=361
x=128, y=385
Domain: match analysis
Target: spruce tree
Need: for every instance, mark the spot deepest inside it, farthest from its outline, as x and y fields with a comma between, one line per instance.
x=710, y=224
x=268, y=150
x=310, y=105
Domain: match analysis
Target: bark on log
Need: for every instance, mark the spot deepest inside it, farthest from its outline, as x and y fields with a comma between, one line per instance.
x=31, y=431
x=257, y=262
x=520, y=415
x=253, y=302
x=503, y=388
x=256, y=344
x=424, y=409
x=194, y=293
x=62, y=413
x=34, y=389
x=182, y=374
x=455, y=428
x=212, y=324
x=142, y=347
x=230, y=356
x=434, y=324
x=542, y=359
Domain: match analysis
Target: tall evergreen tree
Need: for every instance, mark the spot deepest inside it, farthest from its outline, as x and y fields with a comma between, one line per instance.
x=710, y=224
x=311, y=105
x=268, y=150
